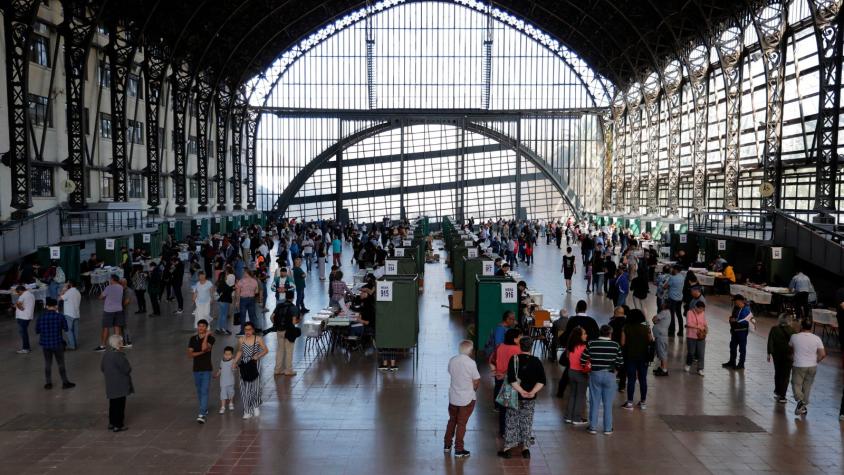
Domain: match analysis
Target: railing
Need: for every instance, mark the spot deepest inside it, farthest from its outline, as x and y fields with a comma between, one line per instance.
x=824, y=231
x=753, y=225
x=23, y=236
x=98, y=222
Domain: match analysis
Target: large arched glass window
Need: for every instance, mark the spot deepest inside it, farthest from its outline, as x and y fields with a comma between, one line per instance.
x=512, y=114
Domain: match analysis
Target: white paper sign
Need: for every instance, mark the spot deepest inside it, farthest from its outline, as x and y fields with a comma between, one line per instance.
x=468, y=243
x=489, y=268
x=776, y=253
x=391, y=267
x=55, y=252
x=146, y=238
x=398, y=252
x=109, y=244
x=407, y=243
x=230, y=218
x=472, y=252
x=508, y=292
x=684, y=239
x=198, y=248
x=722, y=245
x=217, y=219
x=384, y=291
x=198, y=220
x=172, y=224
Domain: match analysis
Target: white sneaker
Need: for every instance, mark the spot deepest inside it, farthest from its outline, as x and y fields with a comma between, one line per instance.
x=256, y=412
x=700, y=372
x=22, y=352
x=687, y=368
x=247, y=415
x=222, y=409
x=231, y=406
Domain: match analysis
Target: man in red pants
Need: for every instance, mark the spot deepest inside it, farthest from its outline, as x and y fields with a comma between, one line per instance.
x=465, y=380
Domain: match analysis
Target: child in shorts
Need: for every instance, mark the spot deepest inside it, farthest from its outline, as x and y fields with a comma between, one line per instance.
x=660, y=331
x=226, y=376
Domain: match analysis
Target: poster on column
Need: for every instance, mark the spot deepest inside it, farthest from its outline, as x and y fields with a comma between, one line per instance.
x=472, y=252
x=55, y=252
x=109, y=244
x=489, y=268
x=399, y=252
x=391, y=267
x=722, y=245
x=776, y=253
x=146, y=238
x=385, y=291
x=684, y=239
x=508, y=292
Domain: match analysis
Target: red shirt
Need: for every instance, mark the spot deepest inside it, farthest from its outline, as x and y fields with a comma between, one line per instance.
x=501, y=358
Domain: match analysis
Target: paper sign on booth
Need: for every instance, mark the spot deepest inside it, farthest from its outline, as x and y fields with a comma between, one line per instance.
x=468, y=243
x=399, y=252
x=385, y=291
x=722, y=245
x=472, y=252
x=391, y=267
x=146, y=238
x=508, y=292
x=776, y=253
x=407, y=243
x=489, y=268
x=55, y=252
x=684, y=239
x=109, y=244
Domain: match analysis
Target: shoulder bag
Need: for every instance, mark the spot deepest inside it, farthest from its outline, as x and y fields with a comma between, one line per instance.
x=249, y=369
x=507, y=396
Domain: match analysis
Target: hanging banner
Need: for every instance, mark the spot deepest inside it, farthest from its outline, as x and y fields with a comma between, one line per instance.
x=146, y=238
x=55, y=252
x=776, y=253
x=489, y=268
x=109, y=244
x=684, y=239
x=722, y=245
x=391, y=267
x=384, y=291
x=398, y=252
x=472, y=252
x=508, y=292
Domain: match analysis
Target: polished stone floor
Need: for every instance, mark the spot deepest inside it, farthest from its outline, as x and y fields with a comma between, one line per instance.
x=340, y=416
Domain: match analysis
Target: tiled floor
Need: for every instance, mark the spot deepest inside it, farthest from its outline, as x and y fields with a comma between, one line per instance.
x=343, y=417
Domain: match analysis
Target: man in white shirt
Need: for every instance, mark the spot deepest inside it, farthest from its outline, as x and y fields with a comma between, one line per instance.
x=465, y=380
x=808, y=352
x=72, y=299
x=24, y=309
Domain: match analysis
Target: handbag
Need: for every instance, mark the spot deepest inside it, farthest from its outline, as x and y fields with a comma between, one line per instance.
x=248, y=370
x=507, y=396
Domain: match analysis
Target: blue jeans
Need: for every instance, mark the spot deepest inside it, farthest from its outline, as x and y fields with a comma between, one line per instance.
x=248, y=308
x=23, y=331
x=202, y=380
x=738, y=341
x=637, y=369
x=72, y=332
x=622, y=299
x=308, y=260
x=601, y=390
x=598, y=283
x=222, y=315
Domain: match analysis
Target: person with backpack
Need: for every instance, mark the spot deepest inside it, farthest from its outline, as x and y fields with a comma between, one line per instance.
x=285, y=318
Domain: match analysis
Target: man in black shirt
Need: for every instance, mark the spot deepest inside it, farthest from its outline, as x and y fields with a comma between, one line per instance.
x=503, y=271
x=199, y=349
x=580, y=320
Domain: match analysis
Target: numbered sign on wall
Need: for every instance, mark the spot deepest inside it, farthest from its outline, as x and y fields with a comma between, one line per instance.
x=722, y=245
x=472, y=252
x=109, y=244
x=508, y=292
x=55, y=252
x=146, y=238
x=384, y=291
x=391, y=267
x=489, y=268
x=684, y=239
x=776, y=253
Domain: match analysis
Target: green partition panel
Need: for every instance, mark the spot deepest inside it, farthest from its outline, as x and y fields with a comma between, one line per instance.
x=490, y=307
x=68, y=259
x=781, y=270
x=182, y=230
x=404, y=265
x=457, y=265
x=397, y=318
x=111, y=257
x=216, y=224
x=472, y=268
x=153, y=247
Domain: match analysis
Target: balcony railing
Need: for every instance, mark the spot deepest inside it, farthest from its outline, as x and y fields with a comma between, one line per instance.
x=753, y=225
x=103, y=222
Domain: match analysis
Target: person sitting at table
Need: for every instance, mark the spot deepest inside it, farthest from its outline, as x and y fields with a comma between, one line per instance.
x=759, y=274
x=339, y=289
x=504, y=271
x=719, y=264
x=363, y=304
x=722, y=284
x=801, y=286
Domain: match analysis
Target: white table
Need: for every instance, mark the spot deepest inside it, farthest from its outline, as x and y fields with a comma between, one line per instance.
x=757, y=296
x=39, y=292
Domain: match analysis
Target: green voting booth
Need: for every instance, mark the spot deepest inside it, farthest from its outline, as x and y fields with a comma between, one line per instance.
x=780, y=263
x=108, y=250
x=495, y=296
x=474, y=266
x=149, y=242
x=457, y=264
x=67, y=256
x=397, y=311
x=201, y=227
x=400, y=266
